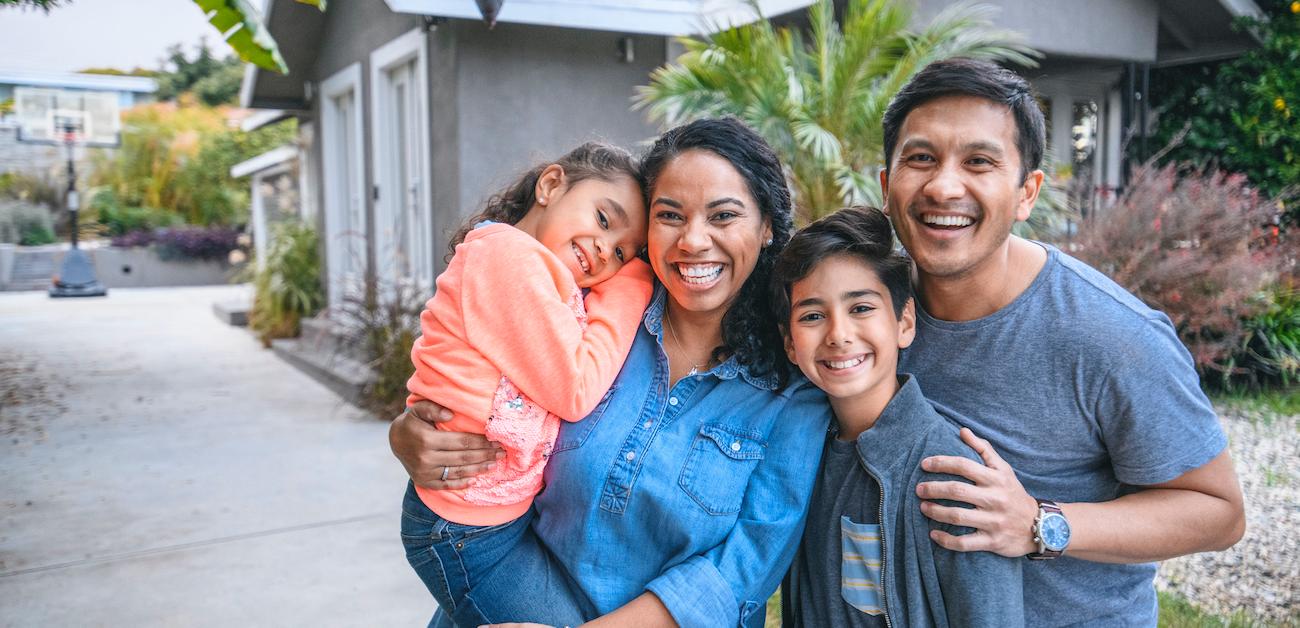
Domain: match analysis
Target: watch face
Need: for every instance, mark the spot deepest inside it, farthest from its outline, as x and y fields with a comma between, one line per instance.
x=1055, y=532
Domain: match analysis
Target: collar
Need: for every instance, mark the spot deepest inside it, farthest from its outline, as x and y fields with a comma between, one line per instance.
x=729, y=369
x=905, y=420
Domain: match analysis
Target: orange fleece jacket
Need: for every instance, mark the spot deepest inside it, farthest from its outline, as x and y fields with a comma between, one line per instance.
x=501, y=309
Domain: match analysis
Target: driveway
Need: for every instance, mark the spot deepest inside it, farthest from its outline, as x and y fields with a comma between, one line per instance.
x=162, y=469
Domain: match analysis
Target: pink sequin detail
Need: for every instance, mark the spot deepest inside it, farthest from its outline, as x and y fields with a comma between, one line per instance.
x=527, y=432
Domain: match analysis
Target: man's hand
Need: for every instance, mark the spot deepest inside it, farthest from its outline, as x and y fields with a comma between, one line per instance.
x=437, y=459
x=1004, y=513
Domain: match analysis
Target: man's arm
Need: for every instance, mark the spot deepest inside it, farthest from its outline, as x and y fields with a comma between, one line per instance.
x=1199, y=511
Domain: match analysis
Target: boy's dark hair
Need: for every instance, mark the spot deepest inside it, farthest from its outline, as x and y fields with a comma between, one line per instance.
x=746, y=331
x=592, y=160
x=968, y=77
x=860, y=232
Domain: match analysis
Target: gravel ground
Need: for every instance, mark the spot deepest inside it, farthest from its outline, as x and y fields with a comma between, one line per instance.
x=1259, y=576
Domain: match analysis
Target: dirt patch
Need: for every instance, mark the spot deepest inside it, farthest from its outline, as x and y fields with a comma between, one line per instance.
x=26, y=403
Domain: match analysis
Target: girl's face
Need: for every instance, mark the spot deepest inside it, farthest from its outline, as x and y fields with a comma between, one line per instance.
x=706, y=231
x=593, y=226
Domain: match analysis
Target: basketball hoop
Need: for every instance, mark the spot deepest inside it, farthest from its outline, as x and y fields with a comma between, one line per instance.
x=64, y=116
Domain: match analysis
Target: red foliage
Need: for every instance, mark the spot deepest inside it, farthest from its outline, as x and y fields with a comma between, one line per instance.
x=1199, y=246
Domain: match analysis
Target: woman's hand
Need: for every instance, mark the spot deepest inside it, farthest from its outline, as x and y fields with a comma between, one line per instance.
x=436, y=459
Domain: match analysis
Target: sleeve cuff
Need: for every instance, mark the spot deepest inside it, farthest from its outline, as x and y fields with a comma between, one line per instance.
x=696, y=595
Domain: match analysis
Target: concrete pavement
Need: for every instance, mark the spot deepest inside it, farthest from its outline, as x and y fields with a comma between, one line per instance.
x=159, y=468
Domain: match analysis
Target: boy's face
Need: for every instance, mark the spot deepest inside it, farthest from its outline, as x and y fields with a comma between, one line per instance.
x=843, y=332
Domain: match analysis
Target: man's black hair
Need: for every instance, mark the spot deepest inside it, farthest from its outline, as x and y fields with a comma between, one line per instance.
x=968, y=77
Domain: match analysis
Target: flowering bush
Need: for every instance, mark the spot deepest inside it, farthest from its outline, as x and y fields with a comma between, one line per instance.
x=133, y=239
x=196, y=243
x=1199, y=247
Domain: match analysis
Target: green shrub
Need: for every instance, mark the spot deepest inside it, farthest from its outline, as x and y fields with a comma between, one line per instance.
x=287, y=287
x=38, y=189
x=116, y=220
x=26, y=223
x=1271, y=353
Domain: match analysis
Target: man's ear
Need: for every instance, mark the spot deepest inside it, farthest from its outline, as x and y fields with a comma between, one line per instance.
x=1029, y=191
x=550, y=184
x=907, y=325
x=884, y=191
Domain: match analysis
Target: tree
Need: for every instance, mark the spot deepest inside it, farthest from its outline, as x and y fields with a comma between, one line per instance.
x=43, y=5
x=1241, y=115
x=820, y=101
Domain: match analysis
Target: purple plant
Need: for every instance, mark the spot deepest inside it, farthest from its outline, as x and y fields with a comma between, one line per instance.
x=132, y=239
x=196, y=243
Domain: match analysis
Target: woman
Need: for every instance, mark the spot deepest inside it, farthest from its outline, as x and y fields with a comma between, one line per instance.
x=681, y=497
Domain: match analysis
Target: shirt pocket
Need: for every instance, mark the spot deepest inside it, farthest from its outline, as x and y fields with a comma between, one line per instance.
x=573, y=435
x=718, y=467
x=860, y=565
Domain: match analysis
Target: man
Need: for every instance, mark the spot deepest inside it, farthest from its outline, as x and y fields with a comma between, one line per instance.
x=1114, y=457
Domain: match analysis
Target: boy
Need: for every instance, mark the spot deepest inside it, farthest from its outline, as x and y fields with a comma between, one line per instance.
x=844, y=302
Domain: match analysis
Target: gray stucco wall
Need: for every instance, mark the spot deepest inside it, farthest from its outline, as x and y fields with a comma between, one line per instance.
x=531, y=93
x=1099, y=29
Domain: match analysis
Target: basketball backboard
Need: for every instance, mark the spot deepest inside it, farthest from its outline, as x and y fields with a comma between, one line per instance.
x=46, y=116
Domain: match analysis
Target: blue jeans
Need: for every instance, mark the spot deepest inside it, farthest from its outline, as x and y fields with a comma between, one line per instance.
x=487, y=574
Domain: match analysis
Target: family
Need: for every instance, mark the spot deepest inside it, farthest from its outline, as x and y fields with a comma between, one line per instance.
x=642, y=399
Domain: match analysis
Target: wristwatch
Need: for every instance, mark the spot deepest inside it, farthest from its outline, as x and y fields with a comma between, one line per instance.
x=1051, y=531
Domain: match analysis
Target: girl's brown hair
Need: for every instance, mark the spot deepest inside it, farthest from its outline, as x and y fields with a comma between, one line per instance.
x=592, y=160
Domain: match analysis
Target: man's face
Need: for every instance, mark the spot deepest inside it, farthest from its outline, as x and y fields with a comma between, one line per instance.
x=954, y=190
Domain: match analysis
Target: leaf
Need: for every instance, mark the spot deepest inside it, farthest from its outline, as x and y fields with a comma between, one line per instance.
x=241, y=26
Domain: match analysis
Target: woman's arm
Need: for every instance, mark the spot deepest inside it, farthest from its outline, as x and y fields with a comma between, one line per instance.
x=425, y=450
x=729, y=584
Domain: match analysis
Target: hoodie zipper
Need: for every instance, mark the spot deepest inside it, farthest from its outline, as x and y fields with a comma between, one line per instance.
x=884, y=551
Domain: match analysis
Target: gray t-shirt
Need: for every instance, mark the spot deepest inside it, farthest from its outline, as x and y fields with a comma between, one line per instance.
x=837, y=570
x=1086, y=392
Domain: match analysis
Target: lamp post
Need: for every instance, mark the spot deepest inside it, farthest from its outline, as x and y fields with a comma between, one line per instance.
x=77, y=273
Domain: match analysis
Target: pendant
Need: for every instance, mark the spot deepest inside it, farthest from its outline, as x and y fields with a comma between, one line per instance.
x=694, y=371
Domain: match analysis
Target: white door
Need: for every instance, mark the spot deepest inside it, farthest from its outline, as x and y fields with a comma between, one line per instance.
x=345, y=206
x=404, y=247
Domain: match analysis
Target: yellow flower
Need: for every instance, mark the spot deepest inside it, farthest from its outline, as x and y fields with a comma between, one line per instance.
x=1280, y=104
x=1295, y=7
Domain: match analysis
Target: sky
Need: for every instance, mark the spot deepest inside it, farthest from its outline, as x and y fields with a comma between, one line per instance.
x=120, y=34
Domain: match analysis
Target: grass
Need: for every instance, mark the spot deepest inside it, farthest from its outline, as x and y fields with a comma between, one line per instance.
x=1265, y=405
x=1177, y=612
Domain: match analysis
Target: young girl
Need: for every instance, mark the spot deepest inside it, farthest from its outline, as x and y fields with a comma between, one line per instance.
x=511, y=346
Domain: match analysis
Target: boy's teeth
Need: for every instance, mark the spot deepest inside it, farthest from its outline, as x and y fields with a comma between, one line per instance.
x=699, y=273
x=947, y=221
x=846, y=363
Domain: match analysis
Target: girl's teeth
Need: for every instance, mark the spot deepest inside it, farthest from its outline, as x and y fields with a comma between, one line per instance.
x=582, y=260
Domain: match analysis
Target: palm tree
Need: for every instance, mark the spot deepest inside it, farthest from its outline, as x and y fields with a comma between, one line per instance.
x=818, y=97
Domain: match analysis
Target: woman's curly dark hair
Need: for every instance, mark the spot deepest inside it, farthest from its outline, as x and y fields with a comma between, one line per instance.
x=748, y=328
x=592, y=160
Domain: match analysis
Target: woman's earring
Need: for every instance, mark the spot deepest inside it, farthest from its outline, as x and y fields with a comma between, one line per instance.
x=541, y=200
x=768, y=243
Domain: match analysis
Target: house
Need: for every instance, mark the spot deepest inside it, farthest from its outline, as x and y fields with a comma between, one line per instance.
x=1093, y=78
x=36, y=105
x=413, y=111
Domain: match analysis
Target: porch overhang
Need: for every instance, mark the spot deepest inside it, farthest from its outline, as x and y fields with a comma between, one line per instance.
x=646, y=17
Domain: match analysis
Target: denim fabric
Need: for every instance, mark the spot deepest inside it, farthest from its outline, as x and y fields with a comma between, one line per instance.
x=695, y=491
x=459, y=565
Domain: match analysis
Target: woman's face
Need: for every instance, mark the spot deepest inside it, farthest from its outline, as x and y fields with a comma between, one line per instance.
x=706, y=231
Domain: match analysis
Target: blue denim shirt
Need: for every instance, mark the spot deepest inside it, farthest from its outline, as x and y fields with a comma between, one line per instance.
x=696, y=492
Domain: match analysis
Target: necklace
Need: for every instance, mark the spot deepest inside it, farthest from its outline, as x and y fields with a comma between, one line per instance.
x=695, y=368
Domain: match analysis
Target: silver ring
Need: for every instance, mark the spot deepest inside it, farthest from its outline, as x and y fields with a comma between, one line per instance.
x=444, y=473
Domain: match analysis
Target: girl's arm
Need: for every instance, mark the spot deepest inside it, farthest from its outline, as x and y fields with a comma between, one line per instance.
x=515, y=305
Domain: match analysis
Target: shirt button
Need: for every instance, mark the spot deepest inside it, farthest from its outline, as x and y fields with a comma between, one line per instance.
x=631, y=455
x=735, y=446
x=672, y=401
x=646, y=425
